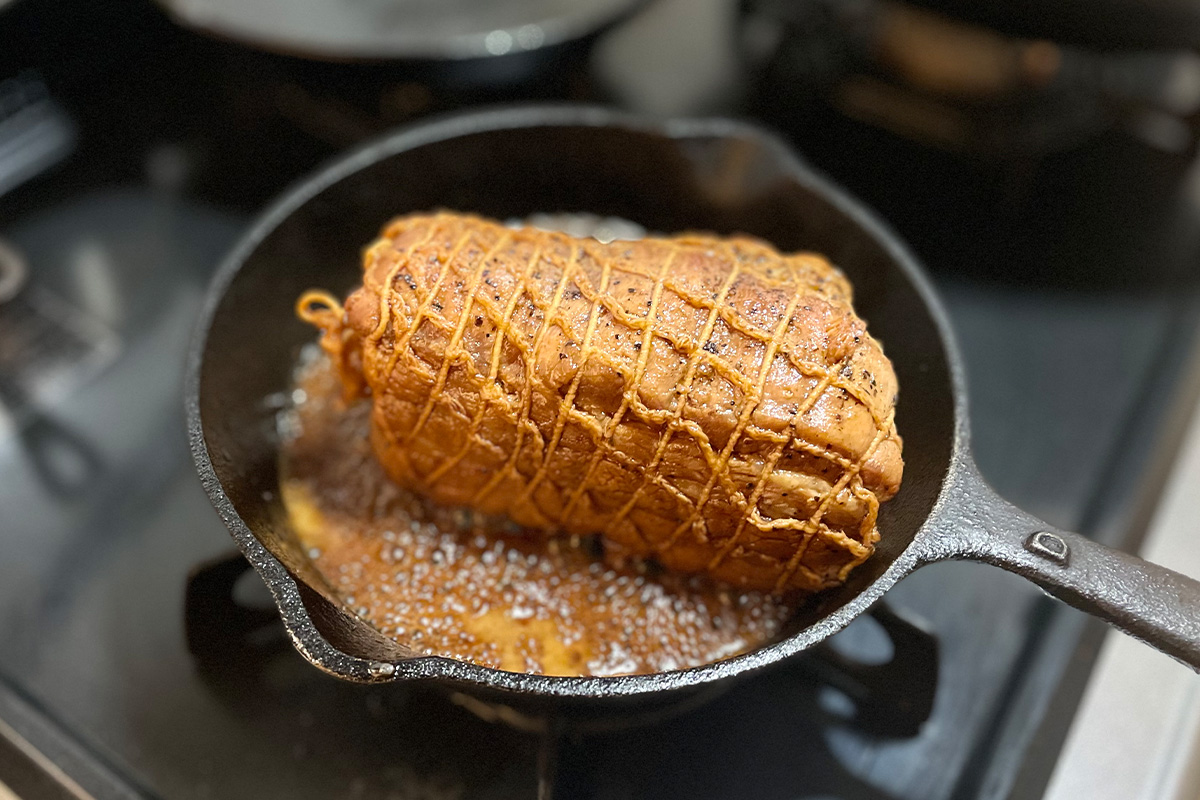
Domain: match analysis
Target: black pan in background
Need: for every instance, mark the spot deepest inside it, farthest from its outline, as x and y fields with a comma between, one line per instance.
x=715, y=175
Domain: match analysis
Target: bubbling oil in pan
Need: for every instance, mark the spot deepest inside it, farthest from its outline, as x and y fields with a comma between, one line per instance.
x=451, y=583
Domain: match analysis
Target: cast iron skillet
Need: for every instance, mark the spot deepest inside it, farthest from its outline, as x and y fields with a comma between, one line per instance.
x=714, y=175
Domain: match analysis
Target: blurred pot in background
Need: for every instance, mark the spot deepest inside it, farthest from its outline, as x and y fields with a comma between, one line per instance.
x=961, y=86
x=472, y=44
x=1016, y=129
x=314, y=77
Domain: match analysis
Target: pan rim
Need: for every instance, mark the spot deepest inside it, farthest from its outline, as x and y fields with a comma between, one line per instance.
x=284, y=587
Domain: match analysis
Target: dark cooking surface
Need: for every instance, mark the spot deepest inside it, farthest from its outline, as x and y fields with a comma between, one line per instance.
x=91, y=593
x=1063, y=386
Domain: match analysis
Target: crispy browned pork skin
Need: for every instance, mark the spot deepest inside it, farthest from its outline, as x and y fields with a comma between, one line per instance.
x=706, y=402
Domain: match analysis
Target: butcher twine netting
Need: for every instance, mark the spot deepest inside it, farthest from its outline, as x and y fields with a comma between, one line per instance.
x=706, y=402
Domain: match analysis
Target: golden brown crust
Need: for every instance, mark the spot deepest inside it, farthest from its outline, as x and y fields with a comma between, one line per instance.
x=705, y=401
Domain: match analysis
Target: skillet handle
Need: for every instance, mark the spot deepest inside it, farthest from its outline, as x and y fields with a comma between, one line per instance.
x=1157, y=605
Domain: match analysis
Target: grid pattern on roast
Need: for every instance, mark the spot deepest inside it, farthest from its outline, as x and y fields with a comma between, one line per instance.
x=669, y=422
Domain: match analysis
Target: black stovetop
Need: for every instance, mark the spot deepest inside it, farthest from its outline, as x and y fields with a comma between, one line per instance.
x=1074, y=358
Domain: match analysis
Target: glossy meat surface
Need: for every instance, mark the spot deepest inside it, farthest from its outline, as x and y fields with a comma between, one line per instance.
x=707, y=402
